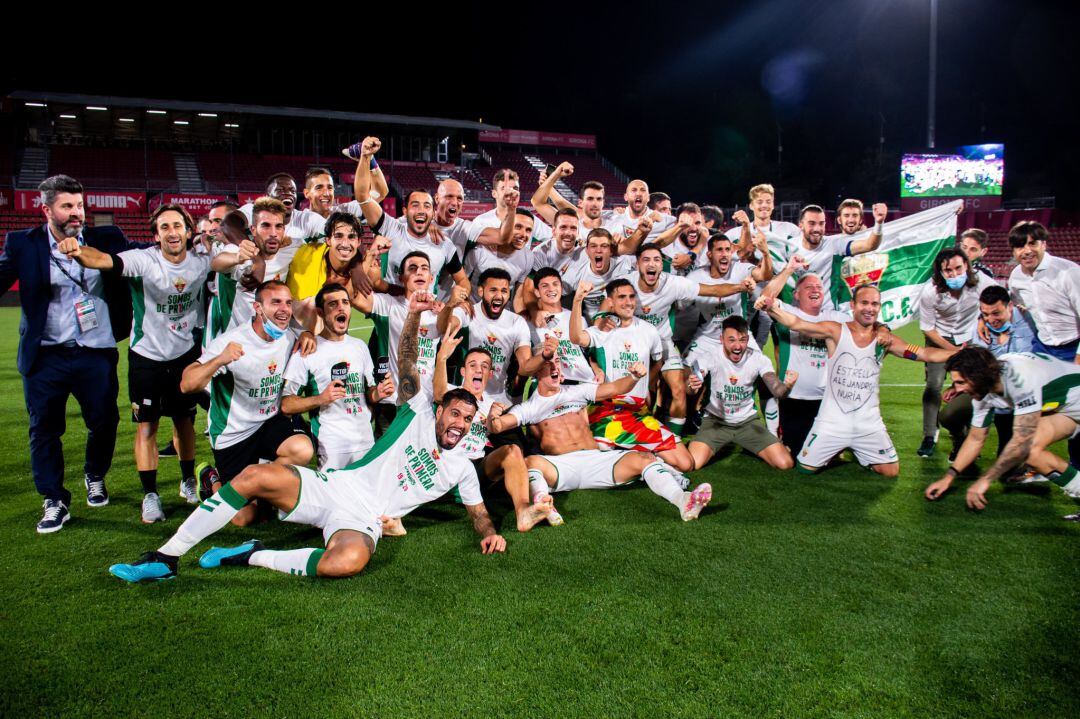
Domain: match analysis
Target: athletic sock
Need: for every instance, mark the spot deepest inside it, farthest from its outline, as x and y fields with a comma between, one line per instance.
x=148, y=478
x=676, y=424
x=537, y=483
x=298, y=562
x=187, y=469
x=207, y=518
x=772, y=415
x=1069, y=480
x=661, y=478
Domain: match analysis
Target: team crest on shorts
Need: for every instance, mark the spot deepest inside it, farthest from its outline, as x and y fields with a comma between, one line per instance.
x=179, y=283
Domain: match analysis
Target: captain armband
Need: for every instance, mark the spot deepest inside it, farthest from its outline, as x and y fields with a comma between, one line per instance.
x=911, y=352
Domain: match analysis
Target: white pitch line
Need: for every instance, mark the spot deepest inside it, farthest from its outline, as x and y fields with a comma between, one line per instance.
x=365, y=326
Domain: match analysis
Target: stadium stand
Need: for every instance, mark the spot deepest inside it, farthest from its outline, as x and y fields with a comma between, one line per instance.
x=114, y=168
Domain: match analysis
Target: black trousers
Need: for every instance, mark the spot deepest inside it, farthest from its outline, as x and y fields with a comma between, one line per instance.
x=89, y=375
x=796, y=418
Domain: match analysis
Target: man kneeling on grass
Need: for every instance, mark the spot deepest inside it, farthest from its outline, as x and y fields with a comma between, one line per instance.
x=411, y=464
x=573, y=460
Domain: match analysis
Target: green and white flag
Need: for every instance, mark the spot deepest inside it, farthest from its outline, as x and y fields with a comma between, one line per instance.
x=901, y=264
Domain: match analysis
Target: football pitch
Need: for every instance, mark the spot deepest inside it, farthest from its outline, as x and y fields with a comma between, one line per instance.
x=842, y=594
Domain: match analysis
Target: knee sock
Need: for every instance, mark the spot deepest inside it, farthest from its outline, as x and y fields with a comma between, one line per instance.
x=1069, y=480
x=148, y=479
x=204, y=520
x=772, y=415
x=676, y=424
x=537, y=483
x=663, y=479
x=298, y=562
x=187, y=469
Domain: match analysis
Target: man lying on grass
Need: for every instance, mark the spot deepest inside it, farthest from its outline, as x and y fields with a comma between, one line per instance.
x=1043, y=394
x=408, y=466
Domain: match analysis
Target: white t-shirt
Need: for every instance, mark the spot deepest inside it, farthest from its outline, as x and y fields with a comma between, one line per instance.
x=622, y=226
x=233, y=300
x=389, y=313
x=580, y=268
x=731, y=387
x=575, y=366
x=473, y=445
x=345, y=425
x=501, y=337
x=442, y=256
x=518, y=263
x=1031, y=383
x=247, y=392
x=623, y=346
x=780, y=235
x=407, y=468
x=164, y=300
x=568, y=399
x=677, y=248
x=657, y=307
x=805, y=355
x=304, y=225
x=541, y=231
x=714, y=310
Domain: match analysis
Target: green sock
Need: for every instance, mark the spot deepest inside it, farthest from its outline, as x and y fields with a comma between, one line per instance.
x=1063, y=479
x=676, y=424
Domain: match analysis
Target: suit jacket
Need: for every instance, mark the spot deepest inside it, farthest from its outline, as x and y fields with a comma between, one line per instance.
x=26, y=258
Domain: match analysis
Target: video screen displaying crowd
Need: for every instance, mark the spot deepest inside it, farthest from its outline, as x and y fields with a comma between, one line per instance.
x=525, y=352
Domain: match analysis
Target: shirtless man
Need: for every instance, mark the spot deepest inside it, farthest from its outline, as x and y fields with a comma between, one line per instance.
x=572, y=459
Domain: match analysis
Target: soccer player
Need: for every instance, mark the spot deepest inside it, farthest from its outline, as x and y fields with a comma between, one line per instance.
x=850, y=417
x=495, y=457
x=658, y=294
x=623, y=225
x=571, y=457
x=244, y=368
x=626, y=421
x=597, y=266
x=779, y=234
x=551, y=320
x=660, y=202
x=731, y=415
x=725, y=269
x=499, y=331
x=335, y=383
x=948, y=313
x=491, y=228
x=559, y=251
x=411, y=466
x=412, y=235
x=1044, y=395
x=320, y=193
x=165, y=283
x=590, y=206
x=689, y=249
x=805, y=355
x=242, y=267
x=849, y=217
x=515, y=258
x=389, y=313
x=714, y=218
x=974, y=243
x=282, y=187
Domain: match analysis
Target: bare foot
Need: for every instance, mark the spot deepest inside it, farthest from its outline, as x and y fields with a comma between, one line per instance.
x=392, y=527
x=534, y=514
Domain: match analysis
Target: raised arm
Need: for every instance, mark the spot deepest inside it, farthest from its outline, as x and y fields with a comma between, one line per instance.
x=447, y=346
x=578, y=335
x=726, y=289
x=409, y=347
x=624, y=384
x=543, y=193
x=85, y=255
x=871, y=243
x=764, y=270
x=780, y=279
x=373, y=212
x=821, y=330
x=629, y=245
x=780, y=389
x=237, y=254
x=898, y=348
x=197, y=375
x=745, y=245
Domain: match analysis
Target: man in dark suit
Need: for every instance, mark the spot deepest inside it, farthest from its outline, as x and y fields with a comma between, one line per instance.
x=71, y=320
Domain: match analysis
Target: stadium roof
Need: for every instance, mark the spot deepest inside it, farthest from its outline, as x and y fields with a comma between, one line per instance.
x=221, y=107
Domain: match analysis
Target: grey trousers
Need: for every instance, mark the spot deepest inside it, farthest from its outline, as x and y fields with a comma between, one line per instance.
x=931, y=398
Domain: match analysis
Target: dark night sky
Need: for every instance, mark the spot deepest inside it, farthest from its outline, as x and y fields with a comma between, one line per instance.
x=689, y=97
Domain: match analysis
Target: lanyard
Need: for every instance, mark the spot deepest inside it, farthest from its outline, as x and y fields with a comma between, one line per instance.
x=81, y=282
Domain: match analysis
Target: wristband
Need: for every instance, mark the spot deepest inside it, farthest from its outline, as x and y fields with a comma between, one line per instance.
x=602, y=315
x=364, y=202
x=952, y=472
x=374, y=164
x=879, y=228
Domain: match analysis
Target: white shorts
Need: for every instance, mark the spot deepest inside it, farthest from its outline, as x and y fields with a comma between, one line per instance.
x=585, y=469
x=822, y=445
x=328, y=500
x=339, y=460
x=672, y=356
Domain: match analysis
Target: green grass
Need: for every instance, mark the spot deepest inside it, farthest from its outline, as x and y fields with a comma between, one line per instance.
x=837, y=595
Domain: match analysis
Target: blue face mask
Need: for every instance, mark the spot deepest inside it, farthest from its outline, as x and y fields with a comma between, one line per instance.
x=273, y=330
x=1000, y=330
x=956, y=283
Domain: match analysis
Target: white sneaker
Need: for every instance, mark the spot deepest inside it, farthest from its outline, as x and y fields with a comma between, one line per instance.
x=188, y=492
x=151, y=508
x=694, y=502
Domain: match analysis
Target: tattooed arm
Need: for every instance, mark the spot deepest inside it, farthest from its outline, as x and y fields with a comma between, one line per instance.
x=490, y=542
x=779, y=389
x=409, y=347
x=1014, y=454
